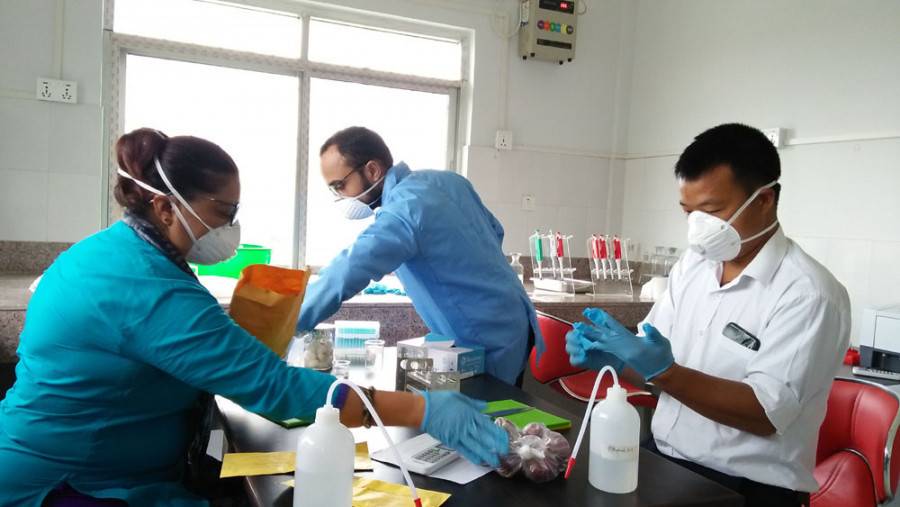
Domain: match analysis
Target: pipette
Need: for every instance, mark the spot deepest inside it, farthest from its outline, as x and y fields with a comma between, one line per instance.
x=617, y=252
x=595, y=254
x=550, y=237
x=539, y=252
x=604, y=256
x=560, y=253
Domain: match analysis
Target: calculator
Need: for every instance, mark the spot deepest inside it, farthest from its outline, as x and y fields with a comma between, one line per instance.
x=424, y=454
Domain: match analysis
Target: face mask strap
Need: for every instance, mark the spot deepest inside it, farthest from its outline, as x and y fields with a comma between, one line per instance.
x=139, y=182
x=184, y=223
x=182, y=200
x=760, y=233
x=753, y=196
x=366, y=191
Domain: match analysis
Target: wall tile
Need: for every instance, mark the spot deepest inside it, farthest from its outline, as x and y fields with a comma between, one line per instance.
x=73, y=206
x=23, y=205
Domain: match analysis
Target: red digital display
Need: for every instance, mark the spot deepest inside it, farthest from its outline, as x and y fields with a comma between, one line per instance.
x=564, y=5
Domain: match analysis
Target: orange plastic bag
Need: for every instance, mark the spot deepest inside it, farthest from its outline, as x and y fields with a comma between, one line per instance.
x=266, y=303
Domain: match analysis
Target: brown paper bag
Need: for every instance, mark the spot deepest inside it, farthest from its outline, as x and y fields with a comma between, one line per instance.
x=266, y=303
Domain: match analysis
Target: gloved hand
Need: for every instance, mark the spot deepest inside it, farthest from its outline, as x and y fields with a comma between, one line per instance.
x=583, y=352
x=649, y=355
x=457, y=421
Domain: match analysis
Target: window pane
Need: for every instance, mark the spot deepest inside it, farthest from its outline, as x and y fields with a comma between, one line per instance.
x=211, y=24
x=413, y=124
x=355, y=46
x=251, y=115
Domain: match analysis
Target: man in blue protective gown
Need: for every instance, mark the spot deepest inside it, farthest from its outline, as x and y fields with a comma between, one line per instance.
x=433, y=231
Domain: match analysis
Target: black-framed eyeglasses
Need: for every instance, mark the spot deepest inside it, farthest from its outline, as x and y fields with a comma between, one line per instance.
x=233, y=208
x=337, y=186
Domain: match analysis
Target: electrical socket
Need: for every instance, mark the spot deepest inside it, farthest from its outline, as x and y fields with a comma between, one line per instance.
x=774, y=135
x=503, y=140
x=54, y=90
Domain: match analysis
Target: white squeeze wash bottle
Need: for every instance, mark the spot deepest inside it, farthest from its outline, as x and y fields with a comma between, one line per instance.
x=325, y=454
x=615, y=437
x=325, y=457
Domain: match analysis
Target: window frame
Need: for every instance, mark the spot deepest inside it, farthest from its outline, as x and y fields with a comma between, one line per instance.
x=117, y=46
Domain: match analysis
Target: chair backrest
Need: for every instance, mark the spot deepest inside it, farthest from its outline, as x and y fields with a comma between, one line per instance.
x=554, y=361
x=863, y=417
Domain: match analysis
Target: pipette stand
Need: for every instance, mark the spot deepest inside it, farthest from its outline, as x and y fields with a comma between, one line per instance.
x=552, y=265
x=608, y=278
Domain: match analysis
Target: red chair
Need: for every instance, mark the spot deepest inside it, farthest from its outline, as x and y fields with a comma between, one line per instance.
x=555, y=370
x=856, y=442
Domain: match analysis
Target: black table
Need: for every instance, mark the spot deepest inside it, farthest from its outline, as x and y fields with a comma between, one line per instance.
x=660, y=482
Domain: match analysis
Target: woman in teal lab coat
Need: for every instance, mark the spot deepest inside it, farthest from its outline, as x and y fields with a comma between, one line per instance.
x=121, y=343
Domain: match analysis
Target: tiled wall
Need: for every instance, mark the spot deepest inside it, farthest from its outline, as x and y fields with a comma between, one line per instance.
x=50, y=162
x=572, y=194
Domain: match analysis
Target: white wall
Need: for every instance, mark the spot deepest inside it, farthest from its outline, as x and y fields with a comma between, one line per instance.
x=49, y=152
x=826, y=73
x=56, y=187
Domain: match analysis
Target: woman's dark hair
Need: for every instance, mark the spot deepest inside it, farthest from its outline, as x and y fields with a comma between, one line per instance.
x=359, y=145
x=194, y=166
x=749, y=154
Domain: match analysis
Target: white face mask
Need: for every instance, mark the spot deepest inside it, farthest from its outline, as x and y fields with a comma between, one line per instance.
x=217, y=245
x=353, y=208
x=716, y=239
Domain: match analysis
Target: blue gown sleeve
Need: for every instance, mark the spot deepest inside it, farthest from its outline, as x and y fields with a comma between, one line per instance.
x=380, y=249
x=189, y=336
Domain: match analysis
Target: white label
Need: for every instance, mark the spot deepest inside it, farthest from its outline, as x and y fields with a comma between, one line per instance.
x=619, y=452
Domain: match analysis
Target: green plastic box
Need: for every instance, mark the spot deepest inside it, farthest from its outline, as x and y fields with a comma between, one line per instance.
x=245, y=256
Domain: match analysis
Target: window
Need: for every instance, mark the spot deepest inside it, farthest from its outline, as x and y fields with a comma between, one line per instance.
x=217, y=79
x=211, y=24
x=251, y=115
x=412, y=123
x=357, y=46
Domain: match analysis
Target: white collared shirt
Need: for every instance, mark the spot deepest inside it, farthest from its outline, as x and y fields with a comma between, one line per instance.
x=801, y=315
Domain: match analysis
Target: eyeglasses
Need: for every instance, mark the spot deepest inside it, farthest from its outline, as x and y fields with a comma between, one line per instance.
x=337, y=186
x=233, y=208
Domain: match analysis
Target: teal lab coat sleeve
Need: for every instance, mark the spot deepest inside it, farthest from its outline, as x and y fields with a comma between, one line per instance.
x=190, y=337
x=380, y=249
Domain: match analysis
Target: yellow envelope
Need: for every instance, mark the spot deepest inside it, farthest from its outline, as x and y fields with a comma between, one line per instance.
x=247, y=464
x=375, y=493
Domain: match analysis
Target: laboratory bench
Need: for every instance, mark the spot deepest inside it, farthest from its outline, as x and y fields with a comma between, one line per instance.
x=396, y=314
x=660, y=482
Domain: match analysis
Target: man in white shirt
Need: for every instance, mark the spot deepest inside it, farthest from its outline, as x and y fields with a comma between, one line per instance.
x=746, y=341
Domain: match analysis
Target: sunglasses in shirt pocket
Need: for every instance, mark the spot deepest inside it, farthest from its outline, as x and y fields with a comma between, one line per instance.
x=741, y=336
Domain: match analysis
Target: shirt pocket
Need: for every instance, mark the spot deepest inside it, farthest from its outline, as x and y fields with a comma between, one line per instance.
x=730, y=359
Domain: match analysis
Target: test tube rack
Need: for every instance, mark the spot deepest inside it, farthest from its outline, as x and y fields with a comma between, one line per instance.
x=610, y=270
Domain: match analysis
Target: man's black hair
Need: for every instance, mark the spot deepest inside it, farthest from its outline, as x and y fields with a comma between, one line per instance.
x=749, y=154
x=359, y=145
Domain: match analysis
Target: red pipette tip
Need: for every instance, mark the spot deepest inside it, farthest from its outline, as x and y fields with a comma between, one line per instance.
x=418, y=502
x=569, y=467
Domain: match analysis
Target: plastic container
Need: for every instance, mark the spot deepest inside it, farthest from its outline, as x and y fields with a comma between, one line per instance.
x=615, y=441
x=318, y=347
x=517, y=266
x=324, y=469
x=246, y=255
x=350, y=338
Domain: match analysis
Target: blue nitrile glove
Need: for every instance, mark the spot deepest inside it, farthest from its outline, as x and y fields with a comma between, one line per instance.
x=583, y=352
x=457, y=421
x=649, y=355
